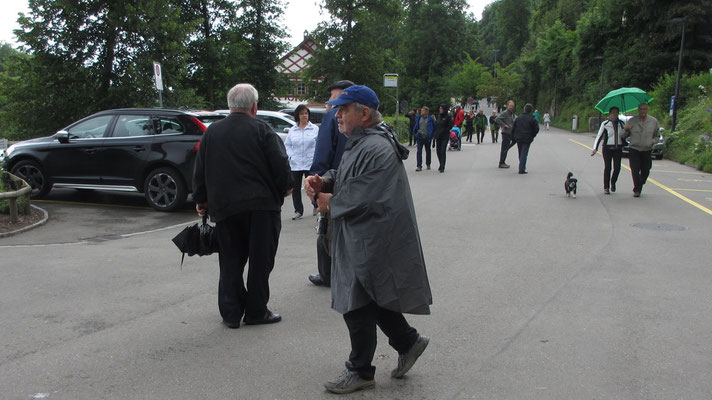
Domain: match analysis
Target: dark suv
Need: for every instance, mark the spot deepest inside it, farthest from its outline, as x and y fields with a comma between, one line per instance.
x=151, y=151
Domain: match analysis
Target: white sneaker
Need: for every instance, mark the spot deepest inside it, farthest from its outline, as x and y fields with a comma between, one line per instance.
x=297, y=216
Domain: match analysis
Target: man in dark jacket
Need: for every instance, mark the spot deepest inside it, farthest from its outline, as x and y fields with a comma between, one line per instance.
x=379, y=269
x=524, y=130
x=327, y=155
x=423, y=131
x=442, y=135
x=505, y=120
x=241, y=177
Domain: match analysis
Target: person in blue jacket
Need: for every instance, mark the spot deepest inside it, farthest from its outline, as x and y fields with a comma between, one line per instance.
x=423, y=136
x=329, y=148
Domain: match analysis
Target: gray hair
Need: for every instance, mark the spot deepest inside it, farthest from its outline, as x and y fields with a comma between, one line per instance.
x=242, y=96
x=375, y=117
x=528, y=108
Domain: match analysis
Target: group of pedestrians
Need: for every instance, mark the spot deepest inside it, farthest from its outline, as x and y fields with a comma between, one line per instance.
x=242, y=174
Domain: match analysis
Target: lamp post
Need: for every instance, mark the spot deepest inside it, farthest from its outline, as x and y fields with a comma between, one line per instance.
x=494, y=75
x=556, y=70
x=682, y=20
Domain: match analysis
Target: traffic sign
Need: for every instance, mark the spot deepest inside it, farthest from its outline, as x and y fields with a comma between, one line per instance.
x=158, y=75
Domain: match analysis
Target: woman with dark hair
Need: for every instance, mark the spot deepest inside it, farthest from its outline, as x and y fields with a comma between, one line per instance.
x=300, y=144
x=442, y=135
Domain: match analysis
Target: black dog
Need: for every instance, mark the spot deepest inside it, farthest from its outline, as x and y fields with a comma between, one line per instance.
x=570, y=185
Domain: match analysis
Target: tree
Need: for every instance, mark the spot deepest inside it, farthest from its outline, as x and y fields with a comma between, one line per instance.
x=465, y=78
x=503, y=87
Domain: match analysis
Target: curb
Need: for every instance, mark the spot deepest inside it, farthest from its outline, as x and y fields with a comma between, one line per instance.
x=27, y=228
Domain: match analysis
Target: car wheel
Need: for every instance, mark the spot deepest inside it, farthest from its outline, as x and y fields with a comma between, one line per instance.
x=164, y=189
x=659, y=157
x=34, y=175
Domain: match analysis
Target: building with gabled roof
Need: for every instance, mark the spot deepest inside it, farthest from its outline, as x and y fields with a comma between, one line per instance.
x=292, y=64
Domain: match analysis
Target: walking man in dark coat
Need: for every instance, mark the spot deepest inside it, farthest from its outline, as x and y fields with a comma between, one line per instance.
x=524, y=130
x=327, y=155
x=378, y=265
x=241, y=177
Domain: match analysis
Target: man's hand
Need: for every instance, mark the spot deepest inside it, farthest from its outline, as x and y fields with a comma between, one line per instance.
x=313, y=185
x=289, y=192
x=594, y=152
x=201, y=208
x=628, y=126
x=322, y=202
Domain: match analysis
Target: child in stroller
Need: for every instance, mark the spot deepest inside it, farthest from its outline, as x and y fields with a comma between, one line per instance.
x=455, y=139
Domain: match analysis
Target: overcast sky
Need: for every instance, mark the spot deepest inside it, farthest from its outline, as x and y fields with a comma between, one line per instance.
x=298, y=16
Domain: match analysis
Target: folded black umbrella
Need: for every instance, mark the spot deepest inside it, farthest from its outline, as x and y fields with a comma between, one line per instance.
x=197, y=239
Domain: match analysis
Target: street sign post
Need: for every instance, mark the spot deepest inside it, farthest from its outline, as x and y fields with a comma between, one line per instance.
x=158, y=78
x=391, y=80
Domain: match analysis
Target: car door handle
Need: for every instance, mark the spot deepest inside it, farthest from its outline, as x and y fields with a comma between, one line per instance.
x=139, y=148
x=90, y=150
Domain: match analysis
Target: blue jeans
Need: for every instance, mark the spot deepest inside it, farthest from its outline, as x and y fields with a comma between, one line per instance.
x=506, y=142
x=523, y=153
x=419, y=155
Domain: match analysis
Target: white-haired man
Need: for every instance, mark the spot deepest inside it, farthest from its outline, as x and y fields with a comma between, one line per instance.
x=241, y=177
x=378, y=269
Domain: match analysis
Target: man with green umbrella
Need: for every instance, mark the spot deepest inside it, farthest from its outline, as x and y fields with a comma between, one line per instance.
x=643, y=131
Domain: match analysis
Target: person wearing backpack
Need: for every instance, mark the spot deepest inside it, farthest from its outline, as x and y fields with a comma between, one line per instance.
x=423, y=133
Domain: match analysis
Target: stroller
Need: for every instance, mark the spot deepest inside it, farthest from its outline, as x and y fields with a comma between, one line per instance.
x=455, y=139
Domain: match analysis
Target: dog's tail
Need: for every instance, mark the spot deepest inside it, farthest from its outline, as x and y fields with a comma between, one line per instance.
x=569, y=175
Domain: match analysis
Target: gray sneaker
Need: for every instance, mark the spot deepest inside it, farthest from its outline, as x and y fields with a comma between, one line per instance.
x=349, y=382
x=406, y=361
x=296, y=216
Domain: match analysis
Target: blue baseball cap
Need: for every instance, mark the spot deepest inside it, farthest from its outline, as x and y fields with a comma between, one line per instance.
x=357, y=94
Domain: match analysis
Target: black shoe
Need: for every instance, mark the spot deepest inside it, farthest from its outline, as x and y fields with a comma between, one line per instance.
x=613, y=186
x=268, y=318
x=523, y=172
x=232, y=325
x=318, y=280
x=441, y=170
x=606, y=191
x=636, y=194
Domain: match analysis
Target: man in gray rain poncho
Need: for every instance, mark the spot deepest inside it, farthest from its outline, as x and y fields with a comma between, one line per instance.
x=378, y=267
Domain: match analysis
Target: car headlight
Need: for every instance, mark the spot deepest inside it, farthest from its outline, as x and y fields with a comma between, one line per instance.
x=5, y=154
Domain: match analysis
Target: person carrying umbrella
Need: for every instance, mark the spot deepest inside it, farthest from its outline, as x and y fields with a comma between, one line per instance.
x=643, y=130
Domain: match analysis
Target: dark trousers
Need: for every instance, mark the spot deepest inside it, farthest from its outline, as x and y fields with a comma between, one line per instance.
x=480, y=134
x=523, y=154
x=362, y=331
x=506, y=142
x=468, y=131
x=441, y=151
x=495, y=135
x=611, y=157
x=323, y=259
x=419, y=154
x=253, y=236
x=640, y=164
x=297, y=190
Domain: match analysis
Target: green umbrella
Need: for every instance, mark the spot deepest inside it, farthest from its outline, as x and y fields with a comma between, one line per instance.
x=626, y=99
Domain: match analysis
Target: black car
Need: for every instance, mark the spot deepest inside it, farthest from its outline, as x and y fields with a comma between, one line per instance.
x=151, y=151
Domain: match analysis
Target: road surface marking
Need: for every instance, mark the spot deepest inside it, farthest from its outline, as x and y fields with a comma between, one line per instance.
x=660, y=185
x=692, y=190
x=694, y=180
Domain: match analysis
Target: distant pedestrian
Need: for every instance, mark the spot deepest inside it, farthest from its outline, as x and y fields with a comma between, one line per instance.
x=442, y=135
x=411, y=115
x=535, y=114
x=423, y=132
x=480, y=126
x=494, y=128
x=524, y=130
x=469, y=125
x=609, y=134
x=547, y=120
x=241, y=177
x=459, y=116
x=505, y=120
x=644, y=132
x=300, y=144
x=375, y=279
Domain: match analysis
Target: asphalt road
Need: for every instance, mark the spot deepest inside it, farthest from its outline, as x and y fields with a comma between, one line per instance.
x=536, y=296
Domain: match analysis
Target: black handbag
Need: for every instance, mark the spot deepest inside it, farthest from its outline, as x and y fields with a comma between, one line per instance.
x=197, y=239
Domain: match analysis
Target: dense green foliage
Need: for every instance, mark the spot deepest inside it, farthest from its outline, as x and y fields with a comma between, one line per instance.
x=560, y=55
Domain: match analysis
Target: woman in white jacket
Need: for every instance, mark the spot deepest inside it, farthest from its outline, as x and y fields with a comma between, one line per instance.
x=609, y=134
x=300, y=144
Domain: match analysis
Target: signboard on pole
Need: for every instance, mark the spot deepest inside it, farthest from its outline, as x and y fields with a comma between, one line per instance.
x=672, y=104
x=390, y=80
x=158, y=75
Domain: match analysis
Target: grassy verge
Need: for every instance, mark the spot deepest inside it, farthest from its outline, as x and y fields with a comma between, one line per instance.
x=690, y=143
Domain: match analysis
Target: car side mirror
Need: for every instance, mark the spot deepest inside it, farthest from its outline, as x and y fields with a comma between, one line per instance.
x=62, y=136
x=285, y=130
